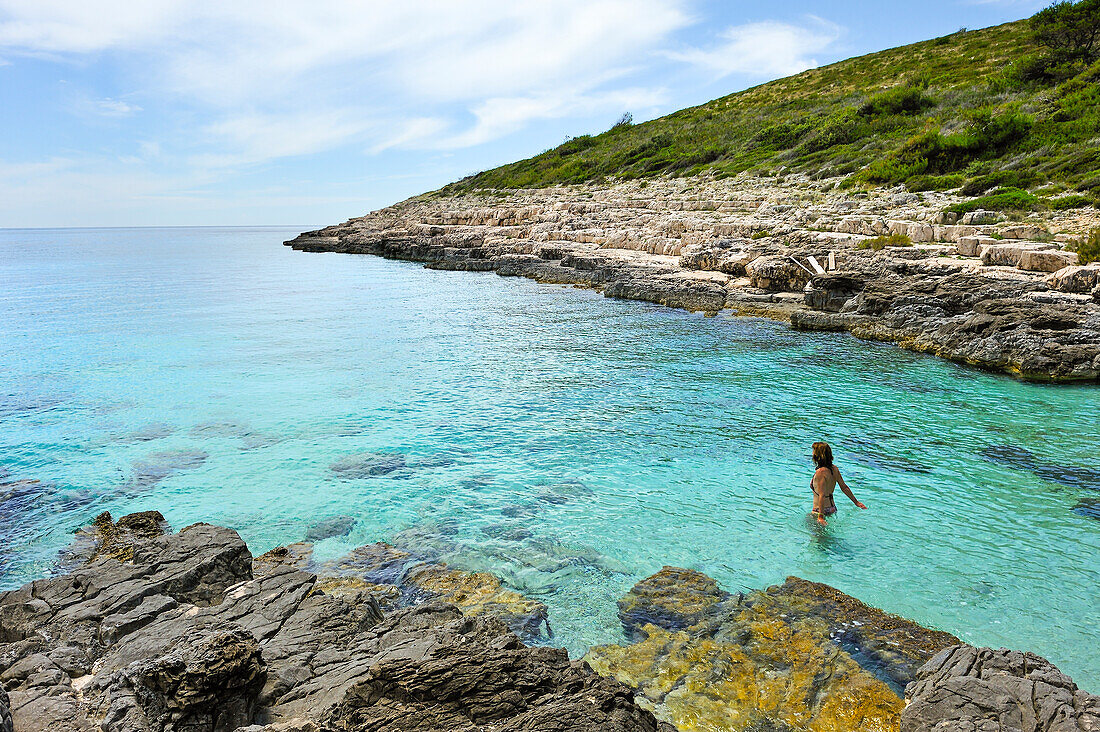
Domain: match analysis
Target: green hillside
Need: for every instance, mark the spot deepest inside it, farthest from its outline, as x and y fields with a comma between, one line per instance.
x=987, y=108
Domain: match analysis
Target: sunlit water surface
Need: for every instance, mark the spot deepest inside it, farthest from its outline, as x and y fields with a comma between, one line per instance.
x=569, y=443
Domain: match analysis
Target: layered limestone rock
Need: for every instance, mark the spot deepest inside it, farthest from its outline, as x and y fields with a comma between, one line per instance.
x=185, y=632
x=965, y=688
x=756, y=245
x=800, y=655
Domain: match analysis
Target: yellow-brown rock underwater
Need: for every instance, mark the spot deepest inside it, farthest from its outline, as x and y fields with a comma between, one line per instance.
x=801, y=655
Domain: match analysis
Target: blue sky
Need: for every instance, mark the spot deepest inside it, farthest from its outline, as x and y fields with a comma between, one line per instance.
x=210, y=112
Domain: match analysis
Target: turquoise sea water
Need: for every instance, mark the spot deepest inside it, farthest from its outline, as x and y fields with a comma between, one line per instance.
x=569, y=443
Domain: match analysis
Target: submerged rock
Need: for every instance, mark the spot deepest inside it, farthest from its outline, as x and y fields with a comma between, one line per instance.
x=158, y=466
x=672, y=599
x=368, y=465
x=331, y=527
x=801, y=655
x=1088, y=507
x=1071, y=476
x=410, y=579
x=179, y=633
x=147, y=433
x=965, y=688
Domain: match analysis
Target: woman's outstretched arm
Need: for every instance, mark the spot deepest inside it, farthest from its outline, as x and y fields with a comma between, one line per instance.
x=847, y=491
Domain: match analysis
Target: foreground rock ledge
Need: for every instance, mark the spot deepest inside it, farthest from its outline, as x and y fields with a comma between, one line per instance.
x=186, y=633
x=150, y=630
x=1001, y=295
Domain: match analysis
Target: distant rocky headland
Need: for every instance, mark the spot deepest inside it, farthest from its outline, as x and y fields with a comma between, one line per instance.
x=144, y=629
x=882, y=264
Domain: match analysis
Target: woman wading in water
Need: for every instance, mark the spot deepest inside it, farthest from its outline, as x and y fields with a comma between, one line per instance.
x=824, y=483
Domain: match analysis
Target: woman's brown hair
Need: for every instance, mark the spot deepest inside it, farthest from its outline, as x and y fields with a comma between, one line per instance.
x=823, y=455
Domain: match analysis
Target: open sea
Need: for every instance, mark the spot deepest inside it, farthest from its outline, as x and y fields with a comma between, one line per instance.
x=569, y=443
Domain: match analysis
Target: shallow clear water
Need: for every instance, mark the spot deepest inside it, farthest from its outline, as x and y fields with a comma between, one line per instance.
x=570, y=443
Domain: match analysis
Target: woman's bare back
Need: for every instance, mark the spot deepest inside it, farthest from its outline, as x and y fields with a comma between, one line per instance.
x=823, y=486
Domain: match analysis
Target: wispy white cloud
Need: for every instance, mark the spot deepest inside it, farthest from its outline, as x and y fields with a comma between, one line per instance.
x=20, y=172
x=410, y=133
x=765, y=49
x=114, y=108
x=257, y=137
x=286, y=78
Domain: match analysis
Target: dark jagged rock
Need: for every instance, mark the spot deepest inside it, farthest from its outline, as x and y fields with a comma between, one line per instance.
x=799, y=655
x=443, y=671
x=965, y=688
x=5, y=711
x=162, y=631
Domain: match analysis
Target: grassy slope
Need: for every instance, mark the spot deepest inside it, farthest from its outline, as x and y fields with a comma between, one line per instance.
x=819, y=122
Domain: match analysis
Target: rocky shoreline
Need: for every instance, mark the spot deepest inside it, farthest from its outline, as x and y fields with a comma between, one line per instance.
x=976, y=289
x=144, y=629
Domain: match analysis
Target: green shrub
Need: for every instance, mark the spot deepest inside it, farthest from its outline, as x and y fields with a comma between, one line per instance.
x=837, y=129
x=993, y=133
x=899, y=100
x=1067, y=202
x=1002, y=199
x=575, y=145
x=919, y=183
x=783, y=136
x=1000, y=179
x=881, y=242
x=894, y=170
